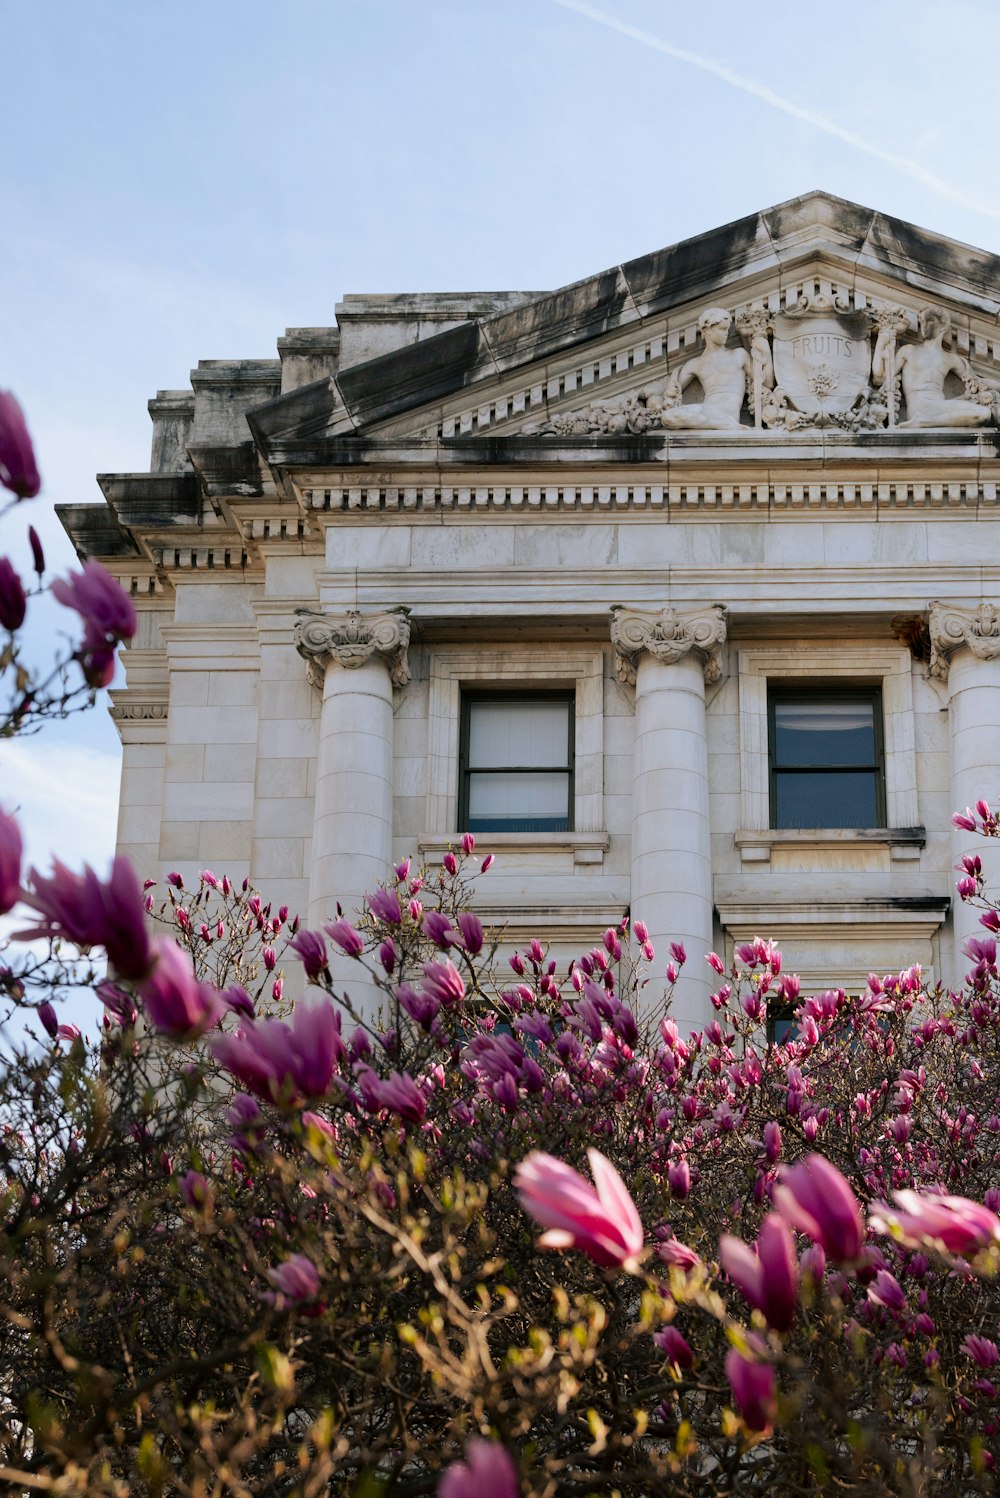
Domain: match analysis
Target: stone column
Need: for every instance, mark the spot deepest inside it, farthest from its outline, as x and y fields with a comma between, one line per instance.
x=356, y=659
x=670, y=657
x=965, y=652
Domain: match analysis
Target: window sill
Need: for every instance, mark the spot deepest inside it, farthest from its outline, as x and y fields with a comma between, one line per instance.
x=903, y=843
x=585, y=847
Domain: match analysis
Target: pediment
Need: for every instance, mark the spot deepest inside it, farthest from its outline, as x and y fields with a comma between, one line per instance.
x=600, y=355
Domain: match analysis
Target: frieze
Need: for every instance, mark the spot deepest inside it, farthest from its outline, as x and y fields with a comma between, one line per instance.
x=668, y=636
x=818, y=364
x=352, y=638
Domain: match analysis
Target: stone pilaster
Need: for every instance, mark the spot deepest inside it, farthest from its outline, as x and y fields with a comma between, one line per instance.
x=669, y=657
x=965, y=652
x=356, y=659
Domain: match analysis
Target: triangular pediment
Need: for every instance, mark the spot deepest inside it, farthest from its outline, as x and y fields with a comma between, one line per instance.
x=619, y=338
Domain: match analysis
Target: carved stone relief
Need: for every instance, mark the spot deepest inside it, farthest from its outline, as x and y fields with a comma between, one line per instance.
x=353, y=638
x=810, y=366
x=667, y=636
x=952, y=628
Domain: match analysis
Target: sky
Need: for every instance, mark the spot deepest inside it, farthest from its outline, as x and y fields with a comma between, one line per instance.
x=185, y=181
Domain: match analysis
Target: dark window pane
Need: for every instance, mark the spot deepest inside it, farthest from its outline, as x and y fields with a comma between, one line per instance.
x=517, y=824
x=782, y=1028
x=824, y=733
x=826, y=798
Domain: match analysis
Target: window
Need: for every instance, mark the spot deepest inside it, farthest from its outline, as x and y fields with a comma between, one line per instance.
x=516, y=762
x=826, y=756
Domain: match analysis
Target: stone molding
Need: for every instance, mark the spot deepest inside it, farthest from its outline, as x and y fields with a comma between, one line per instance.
x=147, y=712
x=695, y=496
x=953, y=628
x=668, y=636
x=352, y=638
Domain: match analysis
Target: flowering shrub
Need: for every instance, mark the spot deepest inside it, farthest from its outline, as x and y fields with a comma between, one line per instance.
x=254, y=1248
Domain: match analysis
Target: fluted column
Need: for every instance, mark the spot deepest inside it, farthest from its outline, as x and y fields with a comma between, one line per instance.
x=965, y=652
x=356, y=659
x=669, y=657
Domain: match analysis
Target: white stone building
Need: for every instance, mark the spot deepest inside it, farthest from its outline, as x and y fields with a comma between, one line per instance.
x=676, y=585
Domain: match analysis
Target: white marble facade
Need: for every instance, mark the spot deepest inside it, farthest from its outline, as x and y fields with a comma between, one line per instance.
x=762, y=459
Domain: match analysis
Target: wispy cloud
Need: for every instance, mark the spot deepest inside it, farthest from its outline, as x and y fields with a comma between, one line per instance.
x=903, y=164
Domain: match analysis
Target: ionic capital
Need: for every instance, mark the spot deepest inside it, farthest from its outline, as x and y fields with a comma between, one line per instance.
x=952, y=629
x=667, y=636
x=352, y=638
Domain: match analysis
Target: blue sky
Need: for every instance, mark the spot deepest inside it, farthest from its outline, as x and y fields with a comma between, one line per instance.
x=184, y=181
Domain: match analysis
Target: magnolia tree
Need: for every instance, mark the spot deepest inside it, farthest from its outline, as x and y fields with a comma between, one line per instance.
x=254, y=1248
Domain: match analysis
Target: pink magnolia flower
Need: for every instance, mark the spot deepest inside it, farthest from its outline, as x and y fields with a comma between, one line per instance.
x=443, y=981
x=13, y=601
x=236, y=998
x=814, y=1198
x=108, y=618
x=487, y=1472
x=679, y=1177
x=472, y=932
x=397, y=1092
x=983, y=1352
x=49, y=1019
x=296, y=1281
x=753, y=1389
x=669, y=1340
x=468, y=843
x=600, y=1220
x=194, y=1190
x=310, y=948
x=487, y=863
x=384, y=906
x=768, y=1276
x=438, y=929
x=285, y=1062
x=348, y=940
x=173, y=999
x=10, y=863
x=952, y=1224
x=886, y=1291
x=673, y=1251
x=18, y=470
x=92, y=913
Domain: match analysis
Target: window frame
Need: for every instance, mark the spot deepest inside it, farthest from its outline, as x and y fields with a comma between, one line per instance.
x=470, y=697
x=782, y=689
x=833, y=662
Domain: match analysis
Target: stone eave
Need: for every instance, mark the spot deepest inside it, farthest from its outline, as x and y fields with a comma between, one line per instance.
x=96, y=531
x=227, y=471
x=152, y=499
x=312, y=458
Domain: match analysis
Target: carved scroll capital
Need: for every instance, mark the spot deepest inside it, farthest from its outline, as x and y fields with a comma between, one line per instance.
x=952, y=629
x=667, y=636
x=352, y=638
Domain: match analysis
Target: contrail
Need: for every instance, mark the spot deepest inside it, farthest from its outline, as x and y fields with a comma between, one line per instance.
x=767, y=95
